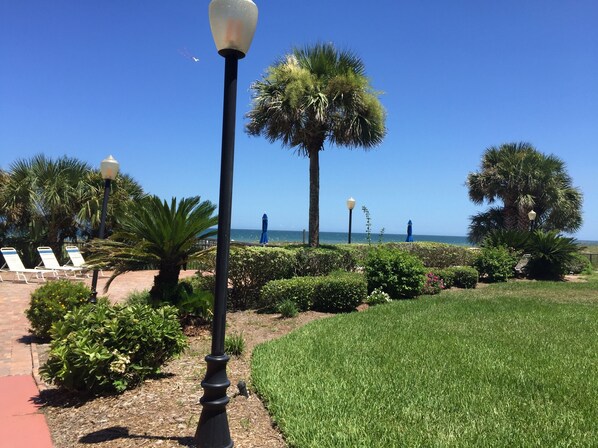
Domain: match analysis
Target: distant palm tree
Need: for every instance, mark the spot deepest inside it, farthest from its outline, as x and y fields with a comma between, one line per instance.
x=311, y=96
x=46, y=201
x=523, y=179
x=156, y=233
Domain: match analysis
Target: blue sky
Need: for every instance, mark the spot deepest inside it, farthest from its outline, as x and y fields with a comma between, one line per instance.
x=88, y=79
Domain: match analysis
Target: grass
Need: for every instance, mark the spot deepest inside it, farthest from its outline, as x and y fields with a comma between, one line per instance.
x=512, y=364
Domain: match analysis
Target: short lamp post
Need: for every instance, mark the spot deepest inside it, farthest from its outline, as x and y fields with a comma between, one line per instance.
x=532, y=219
x=350, y=206
x=233, y=24
x=108, y=169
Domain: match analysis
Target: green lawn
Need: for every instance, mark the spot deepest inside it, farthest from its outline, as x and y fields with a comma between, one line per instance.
x=507, y=365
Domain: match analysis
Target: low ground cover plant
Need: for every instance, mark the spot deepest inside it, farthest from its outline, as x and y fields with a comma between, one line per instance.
x=106, y=349
x=433, y=284
x=50, y=302
x=533, y=340
x=398, y=273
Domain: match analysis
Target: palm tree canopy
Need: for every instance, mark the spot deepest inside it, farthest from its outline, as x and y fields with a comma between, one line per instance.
x=315, y=94
x=523, y=178
x=48, y=201
x=157, y=233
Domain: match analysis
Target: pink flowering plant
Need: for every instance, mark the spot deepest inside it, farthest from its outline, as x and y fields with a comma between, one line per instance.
x=433, y=284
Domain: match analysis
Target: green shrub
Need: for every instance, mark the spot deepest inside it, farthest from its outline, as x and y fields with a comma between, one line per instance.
x=378, y=297
x=496, y=264
x=288, y=308
x=299, y=290
x=250, y=268
x=551, y=255
x=447, y=275
x=397, y=273
x=234, y=344
x=138, y=298
x=104, y=349
x=440, y=255
x=433, y=285
x=464, y=276
x=311, y=262
x=580, y=264
x=51, y=301
x=339, y=293
x=332, y=293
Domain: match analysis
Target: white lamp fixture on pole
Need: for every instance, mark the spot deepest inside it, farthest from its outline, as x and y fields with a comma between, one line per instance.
x=109, y=170
x=233, y=24
x=532, y=218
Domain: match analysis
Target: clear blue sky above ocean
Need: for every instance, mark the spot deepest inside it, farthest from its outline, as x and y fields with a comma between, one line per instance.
x=89, y=79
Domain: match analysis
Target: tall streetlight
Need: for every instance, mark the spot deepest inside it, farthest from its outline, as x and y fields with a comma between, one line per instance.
x=233, y=24
x=532, y=218
x=350, y=206
x=108, y=169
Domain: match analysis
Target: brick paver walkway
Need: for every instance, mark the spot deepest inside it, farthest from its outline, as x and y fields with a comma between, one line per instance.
x=21, y=424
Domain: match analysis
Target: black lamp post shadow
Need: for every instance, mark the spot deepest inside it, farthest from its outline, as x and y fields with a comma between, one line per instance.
x=109, y=169
x=350, y=206
x=233, y=24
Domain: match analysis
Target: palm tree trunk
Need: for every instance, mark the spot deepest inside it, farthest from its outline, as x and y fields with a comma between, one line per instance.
x=314, y=198
x=165, y=283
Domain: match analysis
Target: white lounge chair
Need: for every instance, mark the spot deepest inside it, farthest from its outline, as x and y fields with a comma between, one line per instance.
x=50, y=262
x=77, y=259
x=14, y=264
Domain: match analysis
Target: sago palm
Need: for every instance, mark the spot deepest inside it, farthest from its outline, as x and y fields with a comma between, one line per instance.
x=160, y=234
x=315, y=95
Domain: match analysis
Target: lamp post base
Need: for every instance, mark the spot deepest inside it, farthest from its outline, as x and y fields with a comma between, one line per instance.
x=212, y=430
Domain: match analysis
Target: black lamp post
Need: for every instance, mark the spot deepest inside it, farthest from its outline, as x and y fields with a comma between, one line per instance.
x=532, y=218
x=109, y=170
x=233, y=24
x=350, y=206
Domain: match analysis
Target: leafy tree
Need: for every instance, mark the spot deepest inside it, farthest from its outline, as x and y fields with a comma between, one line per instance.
x=45, y=201
x=313, y=95
x=522, y=178
x=156, y=233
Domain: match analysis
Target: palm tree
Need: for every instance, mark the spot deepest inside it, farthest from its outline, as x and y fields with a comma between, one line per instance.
x=45, y=201
x=523, y=179
x=313, y=95
x=156, y=233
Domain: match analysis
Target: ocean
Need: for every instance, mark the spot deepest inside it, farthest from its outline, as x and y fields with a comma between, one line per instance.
x=297, y=236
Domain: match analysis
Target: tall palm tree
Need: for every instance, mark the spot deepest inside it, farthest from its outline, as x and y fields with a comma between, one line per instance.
x=522, y=178
x=156, y=233
x=313, y=95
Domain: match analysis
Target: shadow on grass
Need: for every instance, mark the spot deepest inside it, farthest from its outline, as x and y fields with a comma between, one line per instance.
x=120, y=432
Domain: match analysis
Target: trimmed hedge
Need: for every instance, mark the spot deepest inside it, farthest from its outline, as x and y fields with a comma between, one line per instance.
x=323, y=260
x=440, y=255
x=332, y=293
x=250, y=268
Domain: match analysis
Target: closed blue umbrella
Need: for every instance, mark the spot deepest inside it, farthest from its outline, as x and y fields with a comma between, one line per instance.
x=264, y=237
x=409, y=232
